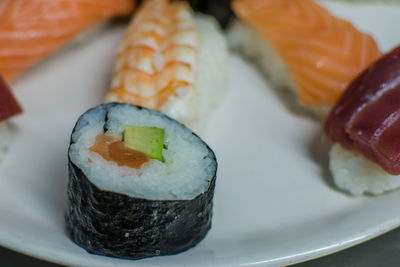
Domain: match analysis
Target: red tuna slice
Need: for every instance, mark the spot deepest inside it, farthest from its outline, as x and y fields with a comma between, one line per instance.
x=387, y=149
x=343, y=111
x=367, y=125
x=365, y=89
x=368, y=109
x=8, y=104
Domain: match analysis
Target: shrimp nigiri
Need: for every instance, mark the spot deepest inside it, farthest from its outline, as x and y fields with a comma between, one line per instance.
x=171, y=61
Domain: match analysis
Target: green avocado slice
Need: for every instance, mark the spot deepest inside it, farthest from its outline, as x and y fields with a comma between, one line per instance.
x=149, y=140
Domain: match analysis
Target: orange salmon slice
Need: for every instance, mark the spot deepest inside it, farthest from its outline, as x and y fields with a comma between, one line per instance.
x=321, y=52
x=32, y=29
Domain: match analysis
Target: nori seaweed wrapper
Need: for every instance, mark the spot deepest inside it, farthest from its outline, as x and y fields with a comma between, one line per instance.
x=113, y=224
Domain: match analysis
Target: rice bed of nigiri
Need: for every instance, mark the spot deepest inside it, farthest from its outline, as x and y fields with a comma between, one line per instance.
x=358, y=175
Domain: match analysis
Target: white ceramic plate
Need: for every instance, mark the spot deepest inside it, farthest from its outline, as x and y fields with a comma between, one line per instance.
x=274, y=201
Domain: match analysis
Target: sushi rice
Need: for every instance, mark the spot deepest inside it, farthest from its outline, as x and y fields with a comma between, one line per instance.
x=211, y=78
x=356, y=174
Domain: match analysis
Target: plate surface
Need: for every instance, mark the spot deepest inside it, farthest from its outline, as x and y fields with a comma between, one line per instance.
x=274, y=201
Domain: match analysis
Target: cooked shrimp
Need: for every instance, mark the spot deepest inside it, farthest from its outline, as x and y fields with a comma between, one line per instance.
x=157, y=58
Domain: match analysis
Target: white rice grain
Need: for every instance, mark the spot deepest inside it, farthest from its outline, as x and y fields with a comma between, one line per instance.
x=356, y=174
x=211, y=78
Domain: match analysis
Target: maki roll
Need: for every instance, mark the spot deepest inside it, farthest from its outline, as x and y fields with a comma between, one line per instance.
x=140, y=183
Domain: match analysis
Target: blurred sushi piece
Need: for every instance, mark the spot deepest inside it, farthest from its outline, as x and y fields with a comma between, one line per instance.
x=171, y=61
x=365, y=127
x=220, y=9
x=123, y=203
x=30, y=30
x=302, y=47
x=8, y=107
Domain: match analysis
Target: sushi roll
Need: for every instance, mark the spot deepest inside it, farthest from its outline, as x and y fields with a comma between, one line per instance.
x=30, y=30
x=365, y=125
x=171, y=61
x=9, y=107
x=302, y=47
x=140, y=183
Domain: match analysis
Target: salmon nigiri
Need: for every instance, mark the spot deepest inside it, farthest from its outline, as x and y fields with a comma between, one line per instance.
x=299, y=39
x=171, y=61
x=32, y=29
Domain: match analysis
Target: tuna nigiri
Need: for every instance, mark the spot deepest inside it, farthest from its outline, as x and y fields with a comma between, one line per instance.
x=303, y=47
x=32, y=29
x=365, y=125
x=171, y=61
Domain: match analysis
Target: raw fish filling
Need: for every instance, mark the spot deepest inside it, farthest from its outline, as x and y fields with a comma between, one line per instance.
x=112, y=149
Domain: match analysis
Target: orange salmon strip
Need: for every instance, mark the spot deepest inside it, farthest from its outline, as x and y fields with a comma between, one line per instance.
x=32, y=29
x=322, y=53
